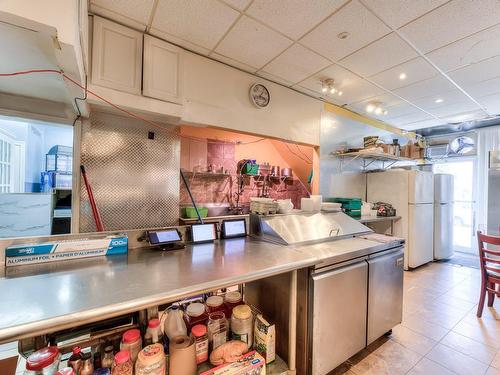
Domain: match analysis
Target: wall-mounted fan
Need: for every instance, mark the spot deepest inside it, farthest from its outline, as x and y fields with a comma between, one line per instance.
x=462, y=145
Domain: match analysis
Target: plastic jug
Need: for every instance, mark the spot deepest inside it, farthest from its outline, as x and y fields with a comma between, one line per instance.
x=174, y=324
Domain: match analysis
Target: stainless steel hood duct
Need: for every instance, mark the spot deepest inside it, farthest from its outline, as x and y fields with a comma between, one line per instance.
x=458, y=128
x=304, y=228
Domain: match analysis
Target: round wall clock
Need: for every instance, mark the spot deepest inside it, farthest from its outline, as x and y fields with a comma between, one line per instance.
x=259, y=95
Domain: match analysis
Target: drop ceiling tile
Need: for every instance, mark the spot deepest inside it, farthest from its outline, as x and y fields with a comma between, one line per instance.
x=415, y=70
x=252, y=43
x=128, y=12
x=491, y=103
x=180, y=42
x=407, y=119
x=441, y=100
x=397, y=13
x=428, y=87
x=354, y=88
x=233, y=63
x=479, y=72
x=455, y=20
x=361, y=25
x=422, y=124
x=274, y=78
x=455, y=109
x=238, y=4
x=202, y=22
x=467, y=116
x=296, y=63
x=467, y=51
x=293, y=17
x=484, y=88
x=398, y=110
x=387, y=100
x=383, y=54
x=307, y=91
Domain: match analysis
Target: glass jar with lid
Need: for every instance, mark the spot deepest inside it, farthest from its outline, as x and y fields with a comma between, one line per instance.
x=108, y=357
x=216, y=303
x=231, y=300
x=43, y=362
x=151, y=361
x=132, y=342
x=218, y=329
x=242, y=324
x=195, y=314
x=123, y=364
x=200, y=335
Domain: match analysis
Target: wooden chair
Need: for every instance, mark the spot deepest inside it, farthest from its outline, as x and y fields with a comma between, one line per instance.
x=490, y=270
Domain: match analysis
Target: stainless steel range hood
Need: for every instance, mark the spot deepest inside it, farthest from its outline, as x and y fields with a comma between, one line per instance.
x=303, y=228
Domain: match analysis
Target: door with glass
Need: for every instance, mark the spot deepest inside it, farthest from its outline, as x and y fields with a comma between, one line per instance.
x=464, y=208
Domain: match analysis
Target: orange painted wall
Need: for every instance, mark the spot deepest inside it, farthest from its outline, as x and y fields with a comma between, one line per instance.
x=275, y=152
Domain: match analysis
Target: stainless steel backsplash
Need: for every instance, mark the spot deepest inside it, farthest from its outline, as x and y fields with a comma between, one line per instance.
x=135, y=180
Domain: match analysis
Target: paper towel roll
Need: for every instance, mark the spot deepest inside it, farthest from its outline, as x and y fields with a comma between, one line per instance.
x=182, y=356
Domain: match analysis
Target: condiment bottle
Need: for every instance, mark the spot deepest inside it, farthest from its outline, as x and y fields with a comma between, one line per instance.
x=123, y=364
x=216, y=303
x=195, y=314
x=217, y=329
x=200, y=335
x=242, y=324
x=132, y=342
x=174, y=324
x=153, y=333
x=108, y=359
x=151, y=361
x=43, y=362
x=231, y=300
x=87, y=367
x=75, y=361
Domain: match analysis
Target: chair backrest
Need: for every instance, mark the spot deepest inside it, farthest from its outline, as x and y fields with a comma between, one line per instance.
x=488, y=258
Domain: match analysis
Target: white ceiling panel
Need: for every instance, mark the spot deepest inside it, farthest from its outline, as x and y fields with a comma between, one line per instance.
x=202, y=22
x=132, y=13
x=465, y=106
x=479, y=72
x=383, y=54
x=180, y=42
x=238, y=4
x=491, y=103
x=386, y=99
x=467, y=116
x=469, y=50
x=307, y=91
x=356, y=20
x=441, y=99
x=252, y=43
x=296, y=64
x=414, y=70
x=422, y=124
x=455, y=20
x=428, y=87
x=400, y=109
x=293, y=17
x=408, y=119
x=397, y=13
x=233, y=63
x=274, y=78
x=484, y=88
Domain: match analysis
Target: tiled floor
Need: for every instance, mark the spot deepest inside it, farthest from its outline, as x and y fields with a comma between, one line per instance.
x=440, y=333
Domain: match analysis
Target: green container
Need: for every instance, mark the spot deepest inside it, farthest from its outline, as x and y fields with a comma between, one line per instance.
x=251, y=169
x=347, y=203
x=353, y=213
x=191, y=212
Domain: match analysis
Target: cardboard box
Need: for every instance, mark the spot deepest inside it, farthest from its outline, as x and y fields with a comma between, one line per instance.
x=265, y=338
x=18, y=255
x=251, y=363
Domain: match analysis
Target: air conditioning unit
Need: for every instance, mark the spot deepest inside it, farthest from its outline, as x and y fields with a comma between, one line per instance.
x=438, y=151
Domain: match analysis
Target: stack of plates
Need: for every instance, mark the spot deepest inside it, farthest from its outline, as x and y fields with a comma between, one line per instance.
x=331, y=207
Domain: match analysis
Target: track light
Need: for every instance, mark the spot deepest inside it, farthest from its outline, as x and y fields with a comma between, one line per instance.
x=328, y=86
x=376, y=107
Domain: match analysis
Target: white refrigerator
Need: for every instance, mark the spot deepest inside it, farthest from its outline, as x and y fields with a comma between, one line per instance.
x=412, y=195
x=443, y=216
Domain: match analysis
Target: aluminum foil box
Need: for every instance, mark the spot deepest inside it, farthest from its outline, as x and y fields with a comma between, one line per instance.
x=19, y=255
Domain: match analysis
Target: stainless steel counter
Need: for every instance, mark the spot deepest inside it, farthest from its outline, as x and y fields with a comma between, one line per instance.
x=37, y=299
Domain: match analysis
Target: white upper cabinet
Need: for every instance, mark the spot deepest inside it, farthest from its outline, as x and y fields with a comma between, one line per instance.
x=116, y=56
x=162, y=70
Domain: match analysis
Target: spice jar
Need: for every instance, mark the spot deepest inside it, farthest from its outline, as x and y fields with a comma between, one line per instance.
x=195, y=314
x=242, y=324
x=132, y=342
x=200, y=335
x=123, y=364
x=43, y=362
x=216, y=303
x=87, y=367
x=217, y=329
x=108, y=358
x=151, y=361
x=231, y=300
x=75, y=361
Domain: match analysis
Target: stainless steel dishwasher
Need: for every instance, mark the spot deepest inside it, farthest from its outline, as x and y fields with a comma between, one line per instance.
x=339, y=314
x=385, y=292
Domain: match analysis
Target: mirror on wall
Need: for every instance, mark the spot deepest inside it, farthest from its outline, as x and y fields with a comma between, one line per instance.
x=36, y=166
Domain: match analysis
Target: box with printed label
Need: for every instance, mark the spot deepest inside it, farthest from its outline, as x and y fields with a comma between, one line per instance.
x=18, y=255
x=265, y=338
x=251, y=363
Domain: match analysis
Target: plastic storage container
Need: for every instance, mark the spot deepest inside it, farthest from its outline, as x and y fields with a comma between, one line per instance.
x=174, y=324
x=196, y=313
x=218, y=329
x=151, y=361
x=200, y=335
x=132, y=342
x=231, y=300
x=43, y=362
x=123, y=364
x=242, y=324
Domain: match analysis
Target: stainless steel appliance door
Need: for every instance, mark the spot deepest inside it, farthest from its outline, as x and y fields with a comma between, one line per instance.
x=493, y=200
x=339, y=315
x=385, y=299
x=443, y=230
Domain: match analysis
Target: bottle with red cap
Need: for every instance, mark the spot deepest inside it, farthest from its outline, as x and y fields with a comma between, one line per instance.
x=76, y=359
x=200, y=335
x=123, y=364
x=43, y=362
x=131, y=341
x=153, y=333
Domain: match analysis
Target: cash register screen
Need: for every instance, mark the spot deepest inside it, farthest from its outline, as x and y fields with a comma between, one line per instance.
x=234, y=228
x=164, y=236
x=203, y=232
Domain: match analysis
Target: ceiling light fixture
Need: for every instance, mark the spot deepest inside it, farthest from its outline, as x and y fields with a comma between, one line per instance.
x=402, y=76
x=343, y=35
x=376, y=107
x=328, y=87
x=439, y=100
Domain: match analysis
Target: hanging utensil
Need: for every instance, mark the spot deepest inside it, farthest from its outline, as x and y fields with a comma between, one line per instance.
x=95, y=211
